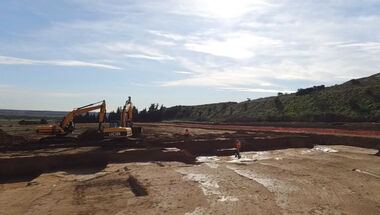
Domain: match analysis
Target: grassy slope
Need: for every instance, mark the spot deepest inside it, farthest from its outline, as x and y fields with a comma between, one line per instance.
x=355, y=100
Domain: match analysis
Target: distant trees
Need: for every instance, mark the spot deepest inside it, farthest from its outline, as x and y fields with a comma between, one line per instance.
x=301, y=92
x=155, y=113
x=114, y=116
x=43, y=121
x=32, y=122
x=86, y=118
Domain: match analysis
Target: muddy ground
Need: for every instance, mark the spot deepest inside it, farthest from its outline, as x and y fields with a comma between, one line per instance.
x=170, y=174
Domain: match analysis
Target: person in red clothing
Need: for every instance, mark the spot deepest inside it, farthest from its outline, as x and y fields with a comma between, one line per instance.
x=238, y=147
x=187, y=132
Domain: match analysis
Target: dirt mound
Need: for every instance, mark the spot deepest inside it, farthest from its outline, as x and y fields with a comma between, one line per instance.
x=90, y=135
x=7, y=139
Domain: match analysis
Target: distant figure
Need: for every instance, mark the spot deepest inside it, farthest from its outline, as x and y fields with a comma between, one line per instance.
x=238, y=147
x=187, y=132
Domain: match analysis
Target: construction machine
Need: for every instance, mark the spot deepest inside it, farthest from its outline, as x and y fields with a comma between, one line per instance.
x=126, y=128
x=66, y=126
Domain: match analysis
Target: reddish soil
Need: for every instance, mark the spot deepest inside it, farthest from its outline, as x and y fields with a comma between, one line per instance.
x=368, y=133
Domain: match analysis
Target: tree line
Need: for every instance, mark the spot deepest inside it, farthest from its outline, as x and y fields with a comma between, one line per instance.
x=155, y=113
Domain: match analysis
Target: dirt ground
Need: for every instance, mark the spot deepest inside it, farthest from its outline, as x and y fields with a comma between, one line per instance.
x=320, y=180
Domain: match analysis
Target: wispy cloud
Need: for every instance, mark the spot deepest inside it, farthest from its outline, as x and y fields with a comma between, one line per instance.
x=167, y=35
x=13, y=60
x=364, y=46
x=184, y=72
x=133, y=50
x=164, y=43
x=149, y=57
x=230, y=77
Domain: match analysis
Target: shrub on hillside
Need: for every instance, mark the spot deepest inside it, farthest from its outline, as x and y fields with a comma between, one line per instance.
x=301, y=92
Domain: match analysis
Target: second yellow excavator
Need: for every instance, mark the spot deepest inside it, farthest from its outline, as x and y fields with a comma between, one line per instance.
x=126, y=128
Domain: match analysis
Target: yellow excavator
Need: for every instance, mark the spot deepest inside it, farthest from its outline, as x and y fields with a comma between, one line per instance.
x=67, y=126
x=126, y=128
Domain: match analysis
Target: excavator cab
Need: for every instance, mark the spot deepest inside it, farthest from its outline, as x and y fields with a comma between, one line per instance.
x=70, y=127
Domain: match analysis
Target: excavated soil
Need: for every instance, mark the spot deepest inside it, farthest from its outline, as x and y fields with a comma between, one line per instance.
x=7, y=139
x=165, y=172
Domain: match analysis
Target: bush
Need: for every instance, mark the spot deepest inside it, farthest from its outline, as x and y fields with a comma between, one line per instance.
x=43, y=121
x=25, y=122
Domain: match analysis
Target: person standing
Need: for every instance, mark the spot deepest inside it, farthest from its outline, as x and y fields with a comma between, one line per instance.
x=187, y=132
x=238, y=147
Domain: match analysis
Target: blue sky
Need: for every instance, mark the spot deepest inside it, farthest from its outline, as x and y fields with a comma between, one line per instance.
x=57, y=55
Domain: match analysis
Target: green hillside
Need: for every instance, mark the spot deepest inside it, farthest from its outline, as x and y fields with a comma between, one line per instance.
x=357, y=100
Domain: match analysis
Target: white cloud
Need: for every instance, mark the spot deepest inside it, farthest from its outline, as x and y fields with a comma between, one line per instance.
x=221, y=9
x=239, y=45
x=13, y=60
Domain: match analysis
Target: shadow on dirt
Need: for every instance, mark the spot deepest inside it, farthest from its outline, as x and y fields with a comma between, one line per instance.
x=136, y=187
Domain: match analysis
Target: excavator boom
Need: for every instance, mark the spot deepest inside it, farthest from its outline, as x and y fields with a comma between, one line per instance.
x=66, y=126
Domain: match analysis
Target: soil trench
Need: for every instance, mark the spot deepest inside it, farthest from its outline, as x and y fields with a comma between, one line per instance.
x=176, y=148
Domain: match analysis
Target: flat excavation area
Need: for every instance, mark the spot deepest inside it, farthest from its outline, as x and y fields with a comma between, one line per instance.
x=167, y=173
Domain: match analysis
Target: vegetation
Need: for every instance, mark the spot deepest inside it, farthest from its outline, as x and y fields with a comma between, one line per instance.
x=32, y=122
x=357, y=100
